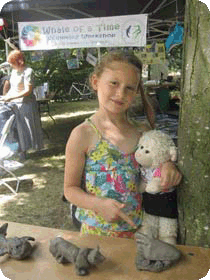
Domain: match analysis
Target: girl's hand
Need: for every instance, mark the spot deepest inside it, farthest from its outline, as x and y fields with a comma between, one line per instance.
x=170, y=175
x=110, y=210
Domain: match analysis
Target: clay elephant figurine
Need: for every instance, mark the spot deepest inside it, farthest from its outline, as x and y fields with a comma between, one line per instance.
x=83, y=258
x=17, y=247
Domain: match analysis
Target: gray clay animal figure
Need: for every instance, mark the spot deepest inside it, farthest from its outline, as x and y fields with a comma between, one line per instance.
x=67, y=252
x=18, y=248
x=155, y=255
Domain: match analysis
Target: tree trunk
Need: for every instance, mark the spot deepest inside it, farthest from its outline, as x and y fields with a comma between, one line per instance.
x=194, y=128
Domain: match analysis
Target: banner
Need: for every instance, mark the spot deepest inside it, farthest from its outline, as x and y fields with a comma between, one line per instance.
x=119, y=31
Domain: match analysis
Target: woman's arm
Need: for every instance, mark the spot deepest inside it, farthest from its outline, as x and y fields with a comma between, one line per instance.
x=6, y=87
x=27, y=91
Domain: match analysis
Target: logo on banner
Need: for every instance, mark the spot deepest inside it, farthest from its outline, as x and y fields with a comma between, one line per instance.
x=30, y=35
x=132, y=31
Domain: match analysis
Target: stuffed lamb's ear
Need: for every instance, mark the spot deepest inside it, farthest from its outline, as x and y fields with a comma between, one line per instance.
x=173, y=153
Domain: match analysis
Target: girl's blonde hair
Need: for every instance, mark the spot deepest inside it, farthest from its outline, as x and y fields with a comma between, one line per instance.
x=118, y=56
x=16, y=56
x=127, y=57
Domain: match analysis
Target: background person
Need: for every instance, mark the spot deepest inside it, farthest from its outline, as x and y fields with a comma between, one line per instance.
x=21, y=93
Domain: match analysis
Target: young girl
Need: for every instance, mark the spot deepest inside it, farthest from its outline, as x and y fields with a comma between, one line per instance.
x=101, y=151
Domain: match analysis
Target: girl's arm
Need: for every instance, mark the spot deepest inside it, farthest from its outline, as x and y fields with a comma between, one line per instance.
x=76, y=149
x=170, y=175
x=74, y=165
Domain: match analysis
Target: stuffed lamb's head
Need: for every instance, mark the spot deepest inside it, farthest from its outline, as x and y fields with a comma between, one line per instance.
x=154, y=148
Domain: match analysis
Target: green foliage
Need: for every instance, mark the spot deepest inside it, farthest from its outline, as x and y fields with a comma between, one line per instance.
x=2, y=51
x=52, y=68
x=175, y=58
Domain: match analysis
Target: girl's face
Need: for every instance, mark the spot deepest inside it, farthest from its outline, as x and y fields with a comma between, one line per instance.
x=117, y=86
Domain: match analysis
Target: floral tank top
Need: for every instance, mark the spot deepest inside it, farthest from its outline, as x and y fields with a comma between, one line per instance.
x=114, y=174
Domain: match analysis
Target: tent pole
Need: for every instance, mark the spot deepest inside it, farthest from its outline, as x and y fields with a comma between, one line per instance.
x=158, y=8
x=6, y=49
x=99, y=54
x=144, y=9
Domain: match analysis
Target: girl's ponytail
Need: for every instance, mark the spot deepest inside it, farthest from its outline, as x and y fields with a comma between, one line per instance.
x=148, y=107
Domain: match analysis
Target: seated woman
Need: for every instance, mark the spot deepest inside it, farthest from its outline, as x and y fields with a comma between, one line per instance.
x=21, y=93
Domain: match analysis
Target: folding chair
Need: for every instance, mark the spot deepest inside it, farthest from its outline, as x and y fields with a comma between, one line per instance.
x=6, y=153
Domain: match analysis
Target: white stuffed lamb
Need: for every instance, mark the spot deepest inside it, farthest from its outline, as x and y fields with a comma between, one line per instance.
x=155, y=148
x=160, y=207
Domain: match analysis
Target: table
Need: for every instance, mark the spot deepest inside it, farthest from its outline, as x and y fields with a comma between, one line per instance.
x=154, y=85
x=44, y=107
x=119, y=264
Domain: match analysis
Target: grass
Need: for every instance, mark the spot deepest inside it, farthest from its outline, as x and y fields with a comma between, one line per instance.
x=41, y=203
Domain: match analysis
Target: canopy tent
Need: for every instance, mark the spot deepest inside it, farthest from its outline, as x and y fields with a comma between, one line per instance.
x=162, y=15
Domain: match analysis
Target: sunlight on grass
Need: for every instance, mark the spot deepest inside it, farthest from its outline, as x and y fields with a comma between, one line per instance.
x=47, y=164
x=40, y=182
x=52, y=161
x=3, y=201
x=52, y=165
x=59, y=157
x=6, y=199
x=21, y=199
x=68, y=115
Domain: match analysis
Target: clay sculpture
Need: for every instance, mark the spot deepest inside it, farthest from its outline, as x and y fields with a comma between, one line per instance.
x=17, y=248
x=67, y=252
x=154, y=255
